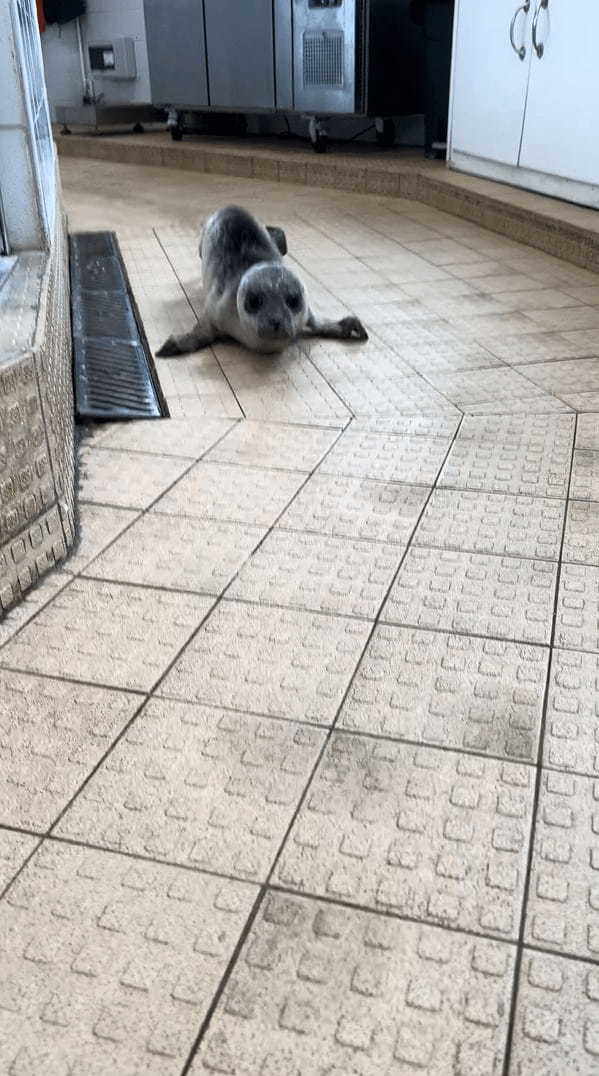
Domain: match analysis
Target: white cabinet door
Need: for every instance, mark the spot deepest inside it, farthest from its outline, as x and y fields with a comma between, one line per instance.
x=489, y=80
x=561, y=130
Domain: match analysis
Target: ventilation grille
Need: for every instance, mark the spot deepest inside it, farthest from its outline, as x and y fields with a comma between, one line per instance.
x=323, y=59
x=115, y=376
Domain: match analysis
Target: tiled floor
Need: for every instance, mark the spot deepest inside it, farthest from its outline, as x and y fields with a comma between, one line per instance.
x=300, y=748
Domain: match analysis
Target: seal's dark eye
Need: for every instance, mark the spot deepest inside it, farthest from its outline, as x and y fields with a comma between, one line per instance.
x=294, y=302
x=253, y=303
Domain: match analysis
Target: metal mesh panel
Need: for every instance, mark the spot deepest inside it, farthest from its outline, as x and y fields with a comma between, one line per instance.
x=323, y=59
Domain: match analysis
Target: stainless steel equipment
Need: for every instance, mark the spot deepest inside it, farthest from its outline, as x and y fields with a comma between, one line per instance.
x=318, y=58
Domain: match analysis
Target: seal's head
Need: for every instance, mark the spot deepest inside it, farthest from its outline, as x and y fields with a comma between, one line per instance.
x=272, y=308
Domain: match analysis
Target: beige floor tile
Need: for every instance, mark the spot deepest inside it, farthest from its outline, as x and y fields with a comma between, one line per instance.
x=200, y=787
x=320, y=573
x=127, y=479
x=388, y=458
x=261, y=444
x=569, y=320
x=536, y=405
x=34, y=600
x=356, y=508
x=577, y=614
x=498, y=386
x=337, y=990
x=230, y=492
x=539, y=347
x=535, y=299
x=581, y=541
x=435, y=425
x=14, y=849
x=498, y=597
x=280, y=663
x=581, y=401
x=180, y=553
x=451, y=691
x=201, y=377
x=587, y=432
x=118, y=636
x=562, y=377
x=434, y=835
x=492, y=523
x=110, y=964
x=53, y=734
x=99, y=525
x=584, y=485
x=572, y=722
x=169, y=437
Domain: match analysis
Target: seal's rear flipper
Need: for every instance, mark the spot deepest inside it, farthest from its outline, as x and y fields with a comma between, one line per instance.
x=279, y=239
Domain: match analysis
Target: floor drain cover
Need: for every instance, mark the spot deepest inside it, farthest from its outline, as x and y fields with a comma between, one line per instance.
x=115, y=376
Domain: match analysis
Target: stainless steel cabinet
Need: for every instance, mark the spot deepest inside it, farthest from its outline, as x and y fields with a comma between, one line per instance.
x=177, y=52
x=240, y=53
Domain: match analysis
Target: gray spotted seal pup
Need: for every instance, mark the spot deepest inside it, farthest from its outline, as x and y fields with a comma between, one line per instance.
x=249, y=294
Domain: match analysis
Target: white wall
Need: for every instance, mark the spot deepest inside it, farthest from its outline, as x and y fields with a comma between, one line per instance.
x=105, y=19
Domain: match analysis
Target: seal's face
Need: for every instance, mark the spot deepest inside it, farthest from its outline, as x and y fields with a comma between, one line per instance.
x=271, y=305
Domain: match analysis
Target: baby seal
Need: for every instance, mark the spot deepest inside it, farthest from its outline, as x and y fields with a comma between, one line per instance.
x=249, y=294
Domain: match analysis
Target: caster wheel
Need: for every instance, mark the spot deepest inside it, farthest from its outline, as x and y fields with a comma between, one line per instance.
x=385, y=134
x=320, y=143
x=138, y=128
x=176, y=134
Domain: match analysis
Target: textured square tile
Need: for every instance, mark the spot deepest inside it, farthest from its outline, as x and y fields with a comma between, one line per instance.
x=339, y=991
x=387, y=457
x=292, y=448
x=228, y=492
x=127, y=479
x=99, y=525
x=205, y=788
x=167, y=437
x=180, y=553
x=35, y=599
x=119, y=636
x=492, y=523
x=587, y=432
x=381, y=397
x=472, y=694
x=581, y=542
x=557, y=1017
x=198, y=378
x=312, y=571
x=561, y=377
x=110, y=965
x=569, y=320
x=281, y=663
x=501, y=597
x=563, y=899
x=572, y=721
x=520, y=405
x=433, y=835
x=356, y=508
x=577, y=619
x=581, y=401
x=500, y=386
x=512, y=454
x=585, y=476
x=436, y=425
x=14, y=849
x=52, y=734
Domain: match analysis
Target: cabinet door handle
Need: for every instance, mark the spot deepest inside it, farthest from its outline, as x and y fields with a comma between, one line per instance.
x=521, y=51
x=537, y=45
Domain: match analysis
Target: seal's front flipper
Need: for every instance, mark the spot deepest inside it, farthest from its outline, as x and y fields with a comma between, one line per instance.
x=349, y=328
x=279, y=239
x=202, y=335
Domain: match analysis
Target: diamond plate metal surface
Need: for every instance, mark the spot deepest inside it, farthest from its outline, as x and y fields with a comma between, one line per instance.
x=107, y=634
x=571, y=739
x=339, y=991
x=110, y=965
x=433, y=835
x=512, y=454
x=14, y=849
x=501, y=597
x=52, y=734
x=356, y=508
x=201, y=787
x=327, y=575
x=386, y=457
x=585, y=476
x=166, y=437
x=451, y=690
x=492, y=523
x=229, y=492
x=180, y=553
x=577, y=614
x=281, y=663
x=581, y=541
x=127, y=480
x=556, y=1027
x=262, y=444
x=563, y=900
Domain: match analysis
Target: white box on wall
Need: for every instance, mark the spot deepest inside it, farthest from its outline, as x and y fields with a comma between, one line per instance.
x=113, y=59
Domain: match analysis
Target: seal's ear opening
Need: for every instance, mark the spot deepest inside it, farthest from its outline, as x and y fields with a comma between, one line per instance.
x=279, y=239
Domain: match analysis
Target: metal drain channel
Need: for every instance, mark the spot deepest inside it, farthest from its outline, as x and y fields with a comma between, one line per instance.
x=114, y=373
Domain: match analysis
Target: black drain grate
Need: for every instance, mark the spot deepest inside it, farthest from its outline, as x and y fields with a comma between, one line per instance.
x=115, y=376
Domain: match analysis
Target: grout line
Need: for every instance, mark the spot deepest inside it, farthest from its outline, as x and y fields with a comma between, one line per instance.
x=536, y=800
x=24, y=864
